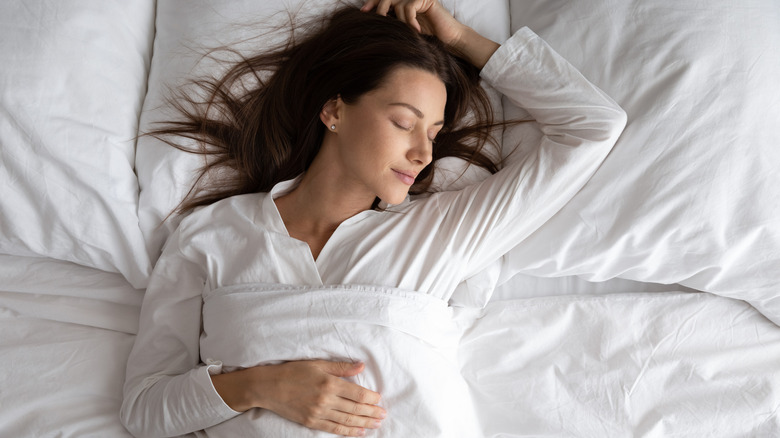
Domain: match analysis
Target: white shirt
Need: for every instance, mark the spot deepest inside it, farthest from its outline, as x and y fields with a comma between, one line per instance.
x=427, y=245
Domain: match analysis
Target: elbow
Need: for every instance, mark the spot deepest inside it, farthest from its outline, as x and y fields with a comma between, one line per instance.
x=128, y=420
x=132, y=419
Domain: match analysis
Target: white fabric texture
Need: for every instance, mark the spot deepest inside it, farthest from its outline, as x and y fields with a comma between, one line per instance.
x=61, y=379
x=407, y=340
x=427, y=246
x=651, y=365
x=65, y=333
x=186, y=29
x=71, y=88
x=699, y=83
x=691, y=192
x=61, y=291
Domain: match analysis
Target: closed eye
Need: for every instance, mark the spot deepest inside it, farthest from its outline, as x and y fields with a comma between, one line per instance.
x=409, y=128
x=400, y=126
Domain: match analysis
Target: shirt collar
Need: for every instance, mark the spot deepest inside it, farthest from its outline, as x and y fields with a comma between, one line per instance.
x=272, y=220
x=269, y=215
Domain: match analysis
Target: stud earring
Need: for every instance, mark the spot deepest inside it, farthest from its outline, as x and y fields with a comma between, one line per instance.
x=332, y=127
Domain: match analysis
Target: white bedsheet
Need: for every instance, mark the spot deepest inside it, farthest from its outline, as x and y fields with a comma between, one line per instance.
x=65, y=334
x=649, y=365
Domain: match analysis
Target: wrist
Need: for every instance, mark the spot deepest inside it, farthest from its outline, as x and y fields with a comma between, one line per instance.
x=474, y=47
x=234, y=389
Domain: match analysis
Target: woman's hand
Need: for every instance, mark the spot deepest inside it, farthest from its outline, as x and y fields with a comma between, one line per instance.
x=427, y=16
x=311, y=393
x=430, y=17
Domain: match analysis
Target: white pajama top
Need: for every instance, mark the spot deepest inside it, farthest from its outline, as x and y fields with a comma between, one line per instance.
x=426, y=245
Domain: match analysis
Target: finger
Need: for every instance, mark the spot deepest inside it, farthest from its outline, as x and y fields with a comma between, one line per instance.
x=370, y=412
x=410, y=12
x=341, y=369
x=335, y=428
x=384, y=7
x=357, y=393
x=400, y=14
x=349, y=420
x=369, y=5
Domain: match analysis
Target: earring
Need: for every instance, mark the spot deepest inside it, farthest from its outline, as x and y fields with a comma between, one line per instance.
x=332, y=127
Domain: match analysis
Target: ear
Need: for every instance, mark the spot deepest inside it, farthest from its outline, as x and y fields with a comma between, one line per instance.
x=331, y=111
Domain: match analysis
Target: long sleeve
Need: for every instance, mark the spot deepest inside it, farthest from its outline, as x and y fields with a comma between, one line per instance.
x=168, y=391
x=580, y=124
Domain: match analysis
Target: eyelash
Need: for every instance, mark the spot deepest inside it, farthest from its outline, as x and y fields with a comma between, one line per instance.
x=399, y=126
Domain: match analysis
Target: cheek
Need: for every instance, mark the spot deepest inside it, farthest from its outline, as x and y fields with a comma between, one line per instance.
x=369, y=137
x=359, y=126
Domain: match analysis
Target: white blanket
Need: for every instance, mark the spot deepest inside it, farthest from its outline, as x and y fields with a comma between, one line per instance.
x=407, y=340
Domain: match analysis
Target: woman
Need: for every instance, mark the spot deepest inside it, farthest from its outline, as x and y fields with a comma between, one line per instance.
x=323, y=226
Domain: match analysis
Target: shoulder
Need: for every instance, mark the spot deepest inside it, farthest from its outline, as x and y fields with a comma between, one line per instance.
x=234, y=212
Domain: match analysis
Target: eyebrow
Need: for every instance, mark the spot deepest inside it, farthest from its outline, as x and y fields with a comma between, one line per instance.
x=416, y=112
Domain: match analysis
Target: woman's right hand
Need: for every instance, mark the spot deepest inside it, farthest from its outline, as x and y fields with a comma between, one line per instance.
x=426, y=16
x=430, y=17
x=311, y=393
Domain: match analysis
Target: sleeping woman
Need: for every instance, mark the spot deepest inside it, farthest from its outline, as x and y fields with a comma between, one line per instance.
x=305, y=293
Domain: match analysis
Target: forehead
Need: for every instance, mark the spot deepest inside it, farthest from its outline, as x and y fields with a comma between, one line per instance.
x=416, y=87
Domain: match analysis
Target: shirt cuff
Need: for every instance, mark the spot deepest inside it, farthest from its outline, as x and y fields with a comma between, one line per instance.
x=221, y=409
x=506, y=56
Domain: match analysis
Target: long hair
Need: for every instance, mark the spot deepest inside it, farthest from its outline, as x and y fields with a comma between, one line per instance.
x=259, y=123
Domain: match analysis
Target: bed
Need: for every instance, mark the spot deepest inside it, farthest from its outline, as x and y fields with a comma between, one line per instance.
x=647, y=306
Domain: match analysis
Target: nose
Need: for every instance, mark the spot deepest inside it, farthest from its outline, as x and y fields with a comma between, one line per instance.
x=421, y=151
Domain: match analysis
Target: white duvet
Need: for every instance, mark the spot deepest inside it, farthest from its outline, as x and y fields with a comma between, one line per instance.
x=407, y=340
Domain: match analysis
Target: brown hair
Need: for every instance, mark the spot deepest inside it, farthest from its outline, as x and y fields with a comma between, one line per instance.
x=259, y=123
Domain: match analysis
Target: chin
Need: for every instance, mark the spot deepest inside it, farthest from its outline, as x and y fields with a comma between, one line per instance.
x=394, y=199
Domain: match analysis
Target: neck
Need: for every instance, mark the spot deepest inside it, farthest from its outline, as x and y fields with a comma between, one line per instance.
x=323, y=199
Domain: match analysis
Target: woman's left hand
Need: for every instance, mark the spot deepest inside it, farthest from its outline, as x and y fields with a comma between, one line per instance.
x=427, y=16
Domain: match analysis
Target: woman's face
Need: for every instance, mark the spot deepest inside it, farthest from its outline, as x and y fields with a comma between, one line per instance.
x=386, y=138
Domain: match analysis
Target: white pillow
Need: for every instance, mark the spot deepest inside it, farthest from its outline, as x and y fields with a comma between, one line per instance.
x=691, y=192
x=72, y=82
x=185, y=29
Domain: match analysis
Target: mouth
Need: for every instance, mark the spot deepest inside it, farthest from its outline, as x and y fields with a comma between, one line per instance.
x=405, y=176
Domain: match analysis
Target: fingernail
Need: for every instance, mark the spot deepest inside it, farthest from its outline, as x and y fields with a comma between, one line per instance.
x=383, y=415
x=377, y=424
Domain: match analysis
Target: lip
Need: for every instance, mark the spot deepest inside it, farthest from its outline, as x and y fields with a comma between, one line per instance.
x=405, y=176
